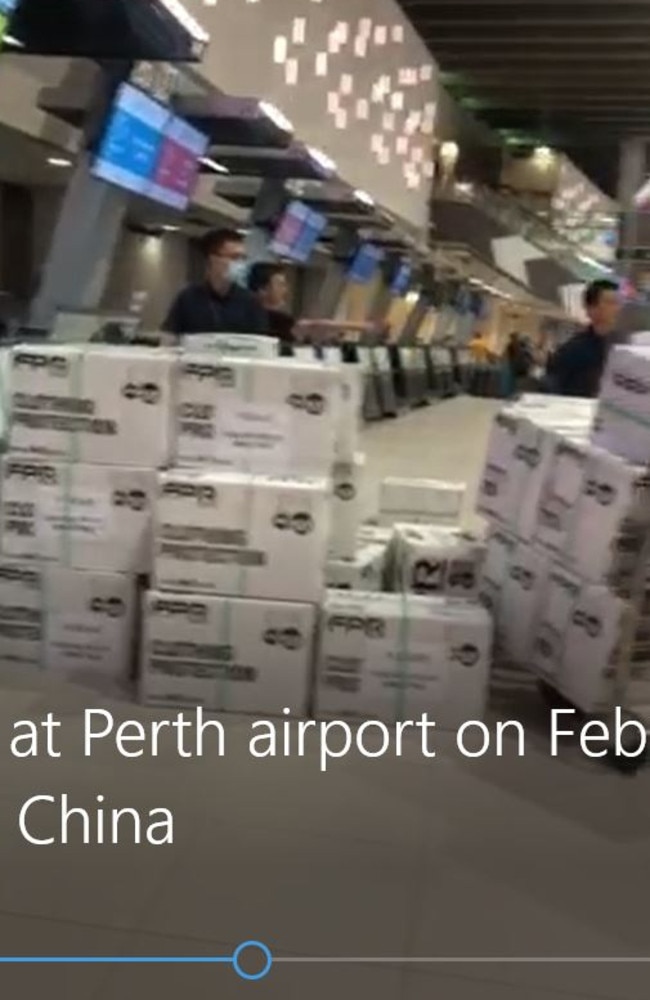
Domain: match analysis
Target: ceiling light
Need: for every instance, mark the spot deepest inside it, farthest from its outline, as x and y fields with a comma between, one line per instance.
x=12, y=41
x=449, y=152
x=364, y=197
x=170, y=229
x=543, y=155
x=322, y=159
x=192, y=26
x=59, y=161
x=211, y=164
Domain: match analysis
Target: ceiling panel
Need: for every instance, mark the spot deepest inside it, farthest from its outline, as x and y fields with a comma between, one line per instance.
x=575, y=75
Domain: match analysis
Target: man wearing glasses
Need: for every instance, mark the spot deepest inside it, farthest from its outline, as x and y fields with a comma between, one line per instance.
x=220, y=304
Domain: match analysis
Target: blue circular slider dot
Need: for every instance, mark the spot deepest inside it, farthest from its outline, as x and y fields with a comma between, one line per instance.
x=252, y=946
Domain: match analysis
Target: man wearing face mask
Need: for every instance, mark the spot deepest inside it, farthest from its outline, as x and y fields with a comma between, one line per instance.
x=220, y=304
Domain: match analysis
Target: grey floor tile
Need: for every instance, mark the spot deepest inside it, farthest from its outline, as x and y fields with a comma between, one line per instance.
x=299, y=893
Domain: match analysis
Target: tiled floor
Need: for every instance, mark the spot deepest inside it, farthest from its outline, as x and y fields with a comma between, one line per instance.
x=391, y=858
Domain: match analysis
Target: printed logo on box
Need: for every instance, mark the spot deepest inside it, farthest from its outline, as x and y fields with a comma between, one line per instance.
x=312, y=403
x=114, y=607
x=529, y=456
x=629, y=383
x=147, y=392
x=603, y=493
x=523, y=577
x=373, y=628
x=301, y=523
x=591, y=624
x=203, y=493
x=428, y=575
x=467, y=655
x=135, y=500
x=46, y=475
x=16, y=574
x=289, y=638
x=345, y=491
x=52, y=363
x=223, y=375
x=194, y=611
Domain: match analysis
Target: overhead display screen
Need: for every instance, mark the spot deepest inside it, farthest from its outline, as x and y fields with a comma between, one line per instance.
x=402, y=279
x=149, y=151
x=365, y=263
x=298, y=232
x=132, y=140
x=178, y=164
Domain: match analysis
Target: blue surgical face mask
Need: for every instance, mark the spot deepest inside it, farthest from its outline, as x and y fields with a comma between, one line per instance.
x=238, y=272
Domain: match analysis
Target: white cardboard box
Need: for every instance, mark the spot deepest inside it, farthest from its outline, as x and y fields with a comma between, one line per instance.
x=395, y=656
x=520, y=454
x=365, y=571
x=622, y=423
x=593, y=512
x=521, y=596
x=420, y=501
x=257, y=416
x=500, y=550
x=576, y=639
x=347, y=480
x=436, y=561
x=105, y=405
x=75, y=624
x=226, y=655
x=241, y=535
x=95, y=517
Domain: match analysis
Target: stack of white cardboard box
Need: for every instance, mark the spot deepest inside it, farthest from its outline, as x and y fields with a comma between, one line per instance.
x=242, y=525
x=231, y=488
x=411, y=646
x=568, y=548
x=87, y=430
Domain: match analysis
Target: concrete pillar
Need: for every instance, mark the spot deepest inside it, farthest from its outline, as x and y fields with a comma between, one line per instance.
x=89, y=224
x=633, y=172
x=82, y=248
x=633, y=169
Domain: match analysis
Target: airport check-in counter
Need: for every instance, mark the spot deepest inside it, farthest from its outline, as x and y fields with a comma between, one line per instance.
x=383, y=374
x=413, y=365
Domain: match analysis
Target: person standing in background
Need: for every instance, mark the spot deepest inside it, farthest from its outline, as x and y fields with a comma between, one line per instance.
x=269, y=285
x=519, y=360
x=576, y=369
x=220, y=303
x=479, y=349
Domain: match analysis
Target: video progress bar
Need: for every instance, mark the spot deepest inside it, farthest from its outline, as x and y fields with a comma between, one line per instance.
x=234, y=960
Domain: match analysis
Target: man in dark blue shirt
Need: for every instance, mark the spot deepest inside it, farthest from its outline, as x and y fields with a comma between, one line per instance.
x=576, y=369
x=220, y=304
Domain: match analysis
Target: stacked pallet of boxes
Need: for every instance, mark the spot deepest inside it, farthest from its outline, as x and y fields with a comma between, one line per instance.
x=87, y=430
x=242, y=526
x=567, y=552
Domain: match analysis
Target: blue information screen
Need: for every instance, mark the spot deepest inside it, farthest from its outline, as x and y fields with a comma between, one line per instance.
x=365, y=264
x=402, y=279
x=308, y=237
x=298, y=232
x=132, y=141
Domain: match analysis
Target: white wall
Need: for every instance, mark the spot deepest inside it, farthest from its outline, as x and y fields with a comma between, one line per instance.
x=154, y=268
x=247, y=57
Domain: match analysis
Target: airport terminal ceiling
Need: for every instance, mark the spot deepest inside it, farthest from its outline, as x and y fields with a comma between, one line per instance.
x=572, y=75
